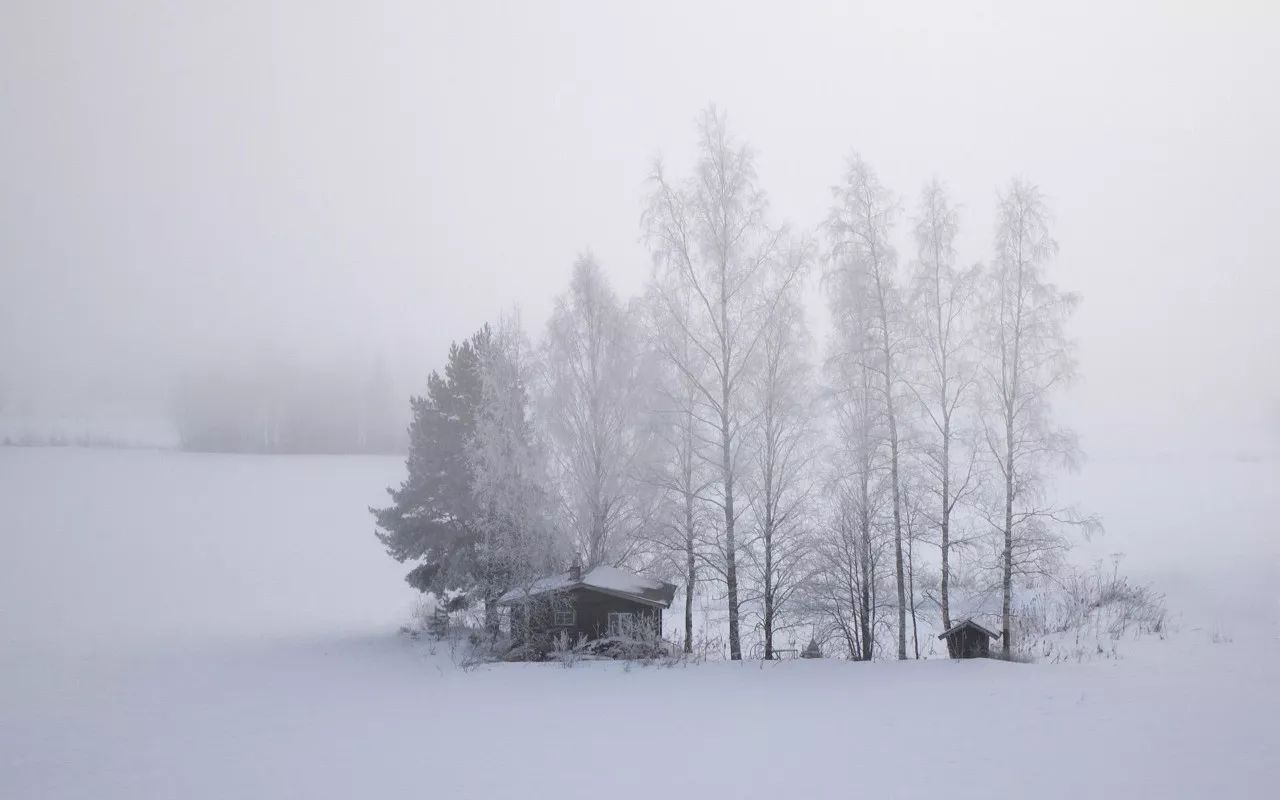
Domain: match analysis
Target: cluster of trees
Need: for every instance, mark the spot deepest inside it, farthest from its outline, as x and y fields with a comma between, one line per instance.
x=699, y=432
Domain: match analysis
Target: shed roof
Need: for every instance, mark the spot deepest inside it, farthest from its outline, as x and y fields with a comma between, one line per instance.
x=967, y=623
x=607, y=580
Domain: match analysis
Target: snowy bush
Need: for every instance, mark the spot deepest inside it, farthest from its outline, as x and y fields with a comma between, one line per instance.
x=420, y=617
x=567, y=650
x=1080, y=614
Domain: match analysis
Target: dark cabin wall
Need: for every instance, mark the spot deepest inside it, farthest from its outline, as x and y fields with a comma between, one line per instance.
x=591, y=618
x=593, y=612
x=978, y=645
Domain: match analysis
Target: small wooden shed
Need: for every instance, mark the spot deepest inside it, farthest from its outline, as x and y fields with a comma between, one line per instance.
x=968, y=639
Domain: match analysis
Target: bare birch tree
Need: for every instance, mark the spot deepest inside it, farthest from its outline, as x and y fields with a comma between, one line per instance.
x=859, y=227
x=710, y=237
x=849, y=550
x=783, y=455
x=1028, y=355
x=597, y=382
x=943, y=379
x=915, y=531
x=682, y=470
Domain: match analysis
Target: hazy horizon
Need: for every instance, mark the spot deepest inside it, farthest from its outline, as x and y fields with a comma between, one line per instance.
x=193, y=186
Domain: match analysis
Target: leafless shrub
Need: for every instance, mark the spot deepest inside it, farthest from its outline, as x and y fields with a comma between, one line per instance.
x=642, y=644
x=566, y=650
x=1079, y=614
x=1094, y=601
x=420, y=617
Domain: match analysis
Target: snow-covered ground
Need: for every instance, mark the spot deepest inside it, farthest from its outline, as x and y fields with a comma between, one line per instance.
x=179, y=625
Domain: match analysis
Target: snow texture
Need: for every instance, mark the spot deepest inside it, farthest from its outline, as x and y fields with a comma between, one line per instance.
x=196, y=626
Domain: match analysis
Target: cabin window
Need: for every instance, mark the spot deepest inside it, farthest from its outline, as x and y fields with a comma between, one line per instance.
x=621, y=623
x=563, y=614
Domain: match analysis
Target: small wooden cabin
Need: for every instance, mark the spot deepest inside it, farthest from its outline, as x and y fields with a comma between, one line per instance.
x=968, y=639
x=601, y=603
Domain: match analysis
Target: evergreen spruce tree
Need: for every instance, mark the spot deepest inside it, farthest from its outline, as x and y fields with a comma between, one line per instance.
x=432, y=519
x=518, y=538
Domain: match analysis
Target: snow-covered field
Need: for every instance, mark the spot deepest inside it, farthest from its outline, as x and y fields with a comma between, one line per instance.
x=185, y=626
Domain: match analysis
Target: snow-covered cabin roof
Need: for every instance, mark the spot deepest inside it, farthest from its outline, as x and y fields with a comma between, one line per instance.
x=967, y=623
x=608, y=580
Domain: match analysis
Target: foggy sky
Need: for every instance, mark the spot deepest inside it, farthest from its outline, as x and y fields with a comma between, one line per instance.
x=196, y=181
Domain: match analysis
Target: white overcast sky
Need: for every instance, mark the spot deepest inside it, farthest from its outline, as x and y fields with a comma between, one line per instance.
x=184, y=180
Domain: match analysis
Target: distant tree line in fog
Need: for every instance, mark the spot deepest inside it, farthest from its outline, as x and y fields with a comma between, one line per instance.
x=279, y=407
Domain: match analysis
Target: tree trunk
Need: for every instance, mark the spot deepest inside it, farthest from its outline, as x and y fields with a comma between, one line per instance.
x=868, y=633
x=943, y=341
x=897, y=510
x=946, y=521
x=690, y=569
x=768, y=591
x=854, y=637
x=1010, y=399
x=726, y=465
x=1007, y=578
x=911, y=594
x=893, y=469
x=730, y=551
